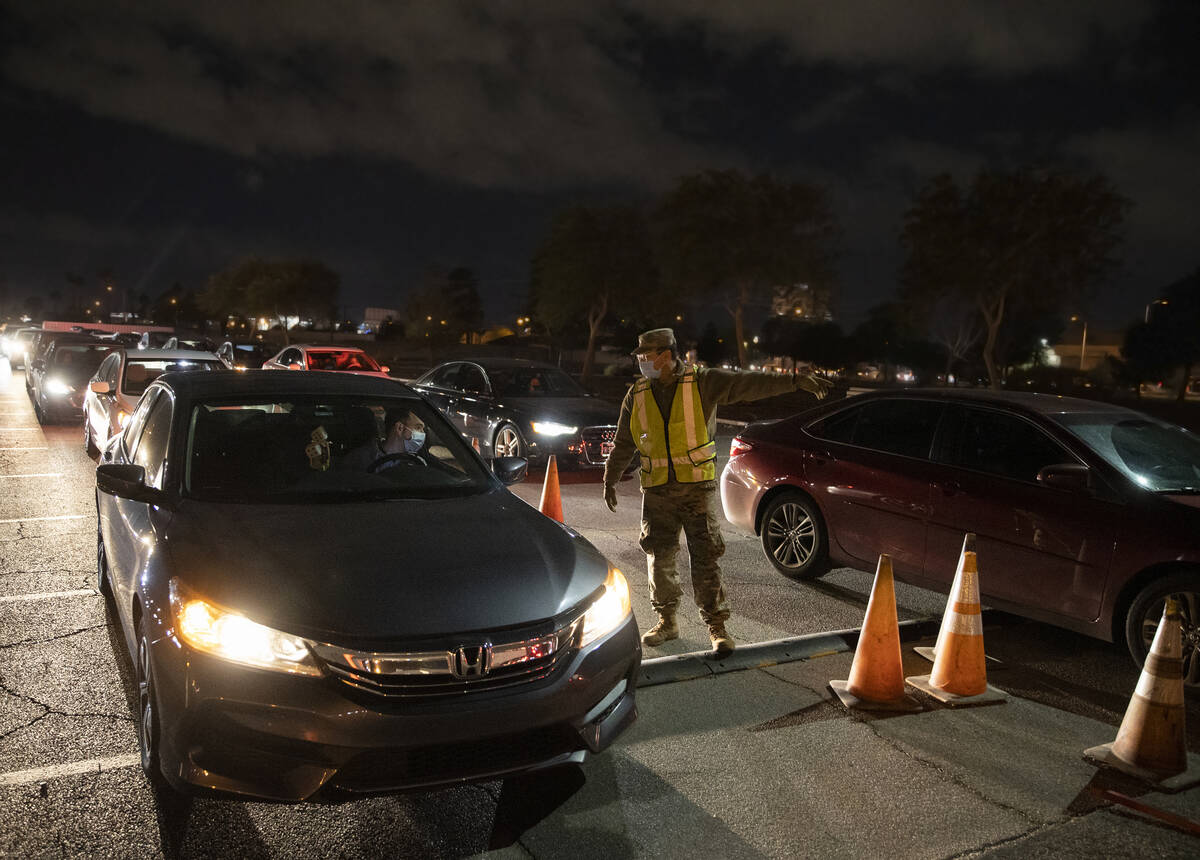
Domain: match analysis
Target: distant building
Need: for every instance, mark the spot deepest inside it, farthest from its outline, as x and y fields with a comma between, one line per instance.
x=1087, y=352
x=373, y=318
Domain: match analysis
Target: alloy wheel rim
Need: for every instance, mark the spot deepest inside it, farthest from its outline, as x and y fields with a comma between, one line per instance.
x=507, y=443
x=145, y=702
x=792, y=535
x=1189, y=628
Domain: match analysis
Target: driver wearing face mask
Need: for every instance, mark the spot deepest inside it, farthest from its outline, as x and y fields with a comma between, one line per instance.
x=406, y=436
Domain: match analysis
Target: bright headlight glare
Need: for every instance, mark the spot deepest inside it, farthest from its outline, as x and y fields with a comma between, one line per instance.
x=122, y=417
x=551, y=428
x=606, y=614
x=236, y=638
x=57, y=387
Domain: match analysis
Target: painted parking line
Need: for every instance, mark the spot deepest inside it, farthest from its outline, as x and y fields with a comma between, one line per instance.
x=45, y=519
x=36, y=475
x=49, y=595
x=91, y=765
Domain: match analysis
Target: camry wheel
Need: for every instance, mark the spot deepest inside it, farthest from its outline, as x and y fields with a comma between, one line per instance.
x=793, y=536
x=1145, y=613
x=148, y=723
x=508, y=442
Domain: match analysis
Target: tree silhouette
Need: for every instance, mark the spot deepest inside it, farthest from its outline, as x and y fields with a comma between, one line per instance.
x=730, y=238
x=1029, y=240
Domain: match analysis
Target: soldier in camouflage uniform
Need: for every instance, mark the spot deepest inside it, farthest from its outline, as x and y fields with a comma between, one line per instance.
x=669, y=420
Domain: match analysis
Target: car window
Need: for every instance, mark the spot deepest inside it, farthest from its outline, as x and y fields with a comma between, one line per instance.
x=471, y=380
x=446, y=377
x=289, y=356
x=838, y=427
x=1156, y=455
x=1005, y=445
x=151, y=450
x=76, y=363
x=129, y=436
x=326, y=448
x=533, y=382
x=898, y=426
x=139, y=372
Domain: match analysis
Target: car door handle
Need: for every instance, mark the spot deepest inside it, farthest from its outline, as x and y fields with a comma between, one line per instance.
x=820, y=458
x=948, y=488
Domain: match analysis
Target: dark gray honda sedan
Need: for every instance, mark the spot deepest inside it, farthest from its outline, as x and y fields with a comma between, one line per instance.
x=324, y=589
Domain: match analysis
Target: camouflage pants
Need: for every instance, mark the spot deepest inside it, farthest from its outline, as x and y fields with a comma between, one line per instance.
x=692, y=509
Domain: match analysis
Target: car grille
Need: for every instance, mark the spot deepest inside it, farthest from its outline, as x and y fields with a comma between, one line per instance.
x=487, y=662
x=597, y=443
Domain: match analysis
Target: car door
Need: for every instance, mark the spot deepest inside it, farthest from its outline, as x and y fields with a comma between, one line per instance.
x=1044, y=548
x=121, y=518
x=95, y=406
x=872, y=471
x=442, y=391
x=474, y=401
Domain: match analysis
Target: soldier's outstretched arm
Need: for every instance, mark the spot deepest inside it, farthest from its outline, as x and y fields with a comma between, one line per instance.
x=728, y=386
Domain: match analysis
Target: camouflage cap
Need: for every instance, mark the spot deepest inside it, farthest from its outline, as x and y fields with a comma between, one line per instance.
x=655, y=338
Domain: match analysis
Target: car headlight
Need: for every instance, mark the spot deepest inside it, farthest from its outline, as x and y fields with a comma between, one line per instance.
x=234, y=637
x=551, y=428
x=57, y=387
x=606, y=614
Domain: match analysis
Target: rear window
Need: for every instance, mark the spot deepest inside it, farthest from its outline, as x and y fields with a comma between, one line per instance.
x=340, y=359
x=897, y=426
x=140, y=373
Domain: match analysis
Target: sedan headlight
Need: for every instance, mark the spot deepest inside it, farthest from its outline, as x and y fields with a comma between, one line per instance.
x=606, y=614
x=57, y=387
x=551, y=428
x=234, y=637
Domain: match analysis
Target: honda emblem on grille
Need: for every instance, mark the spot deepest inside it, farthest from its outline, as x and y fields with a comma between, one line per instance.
x=472, y=661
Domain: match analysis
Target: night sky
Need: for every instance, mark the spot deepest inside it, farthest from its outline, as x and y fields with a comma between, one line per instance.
x=166, y=139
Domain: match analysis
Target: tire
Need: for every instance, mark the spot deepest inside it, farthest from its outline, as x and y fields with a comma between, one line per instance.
x=102, y=568
x=89, y=444
x=794, y=537
x=508, y=442
x=1145, y=612
x=149, y=729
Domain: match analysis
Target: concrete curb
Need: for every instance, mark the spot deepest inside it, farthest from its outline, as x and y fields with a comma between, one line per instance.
x=702, y=664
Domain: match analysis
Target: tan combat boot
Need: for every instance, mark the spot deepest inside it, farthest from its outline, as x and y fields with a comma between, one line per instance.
x=665, y=630
x=722, y=641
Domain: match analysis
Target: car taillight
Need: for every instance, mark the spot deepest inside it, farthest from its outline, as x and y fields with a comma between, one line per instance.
x=738, y=447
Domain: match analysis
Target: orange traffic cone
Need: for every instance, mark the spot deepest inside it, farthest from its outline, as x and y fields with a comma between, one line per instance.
x=1151, y=743
x=551, y=503
x=930, y=653
x=876, y=681
x=959, y=674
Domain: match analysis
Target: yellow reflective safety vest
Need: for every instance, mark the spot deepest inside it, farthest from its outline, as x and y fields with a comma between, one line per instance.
x=691, y=452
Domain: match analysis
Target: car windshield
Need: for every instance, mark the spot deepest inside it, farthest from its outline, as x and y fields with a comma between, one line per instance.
x=533, y=382
x=1156, y=455
x=140, y=373
x=79, y=361
x=326, y=449
x=340, y=359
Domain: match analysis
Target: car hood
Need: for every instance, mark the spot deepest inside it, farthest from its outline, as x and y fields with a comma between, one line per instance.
x=575, y=411
x=363, y=573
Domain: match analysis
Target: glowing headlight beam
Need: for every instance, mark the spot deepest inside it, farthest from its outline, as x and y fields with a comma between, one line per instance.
x=552, y=428
x=609, y=611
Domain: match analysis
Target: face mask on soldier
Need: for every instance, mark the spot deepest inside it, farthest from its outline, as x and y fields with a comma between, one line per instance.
x=648, y=369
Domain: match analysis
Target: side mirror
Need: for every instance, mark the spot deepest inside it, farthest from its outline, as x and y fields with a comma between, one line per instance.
x=384, y=368
x=99, y=386
x=1066, y=476
x=510, y=470
x=295, y=365
x=127, y=481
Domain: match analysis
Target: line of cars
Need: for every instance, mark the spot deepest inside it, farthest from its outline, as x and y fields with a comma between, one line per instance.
x=303, y=611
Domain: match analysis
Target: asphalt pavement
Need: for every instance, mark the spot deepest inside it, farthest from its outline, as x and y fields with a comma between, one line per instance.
x=740, y=762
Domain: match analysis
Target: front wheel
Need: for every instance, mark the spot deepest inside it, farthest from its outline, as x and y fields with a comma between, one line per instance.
x=794, y=537
x=1145, y=613
x=508, y=442
x=149, y=729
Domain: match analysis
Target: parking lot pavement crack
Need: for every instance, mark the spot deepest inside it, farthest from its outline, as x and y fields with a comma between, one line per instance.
x=981, y=850
x=6, y=645
x=941, y=771
x=50, y=710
